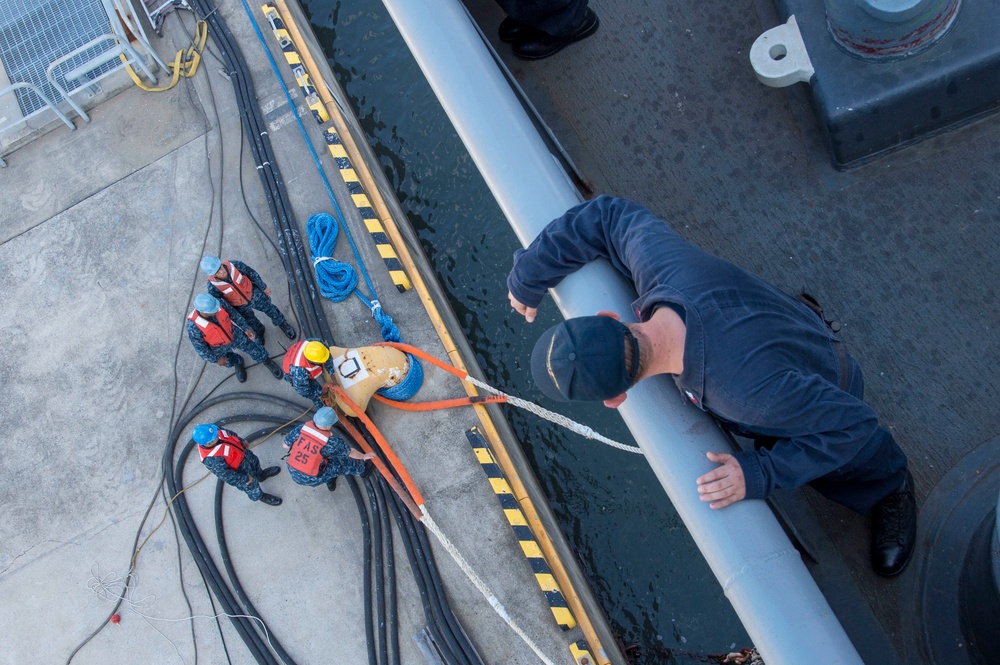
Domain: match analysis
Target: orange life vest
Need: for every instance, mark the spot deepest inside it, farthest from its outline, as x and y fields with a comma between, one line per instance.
x=229, y=447
x=218, y=332
x=304, y=455
x=295, y=357
x=238, y=290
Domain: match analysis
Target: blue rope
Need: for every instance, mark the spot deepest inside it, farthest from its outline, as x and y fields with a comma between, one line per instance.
x=337, y=280
x=312, y=151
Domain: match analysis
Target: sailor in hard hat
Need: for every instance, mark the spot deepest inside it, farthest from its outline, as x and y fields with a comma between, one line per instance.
x=316, y=456
x=303, y=367
x=215, y=329
x=227, y=456
x=239, y=285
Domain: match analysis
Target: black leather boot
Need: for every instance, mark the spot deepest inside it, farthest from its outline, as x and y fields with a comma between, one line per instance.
x=275, y=369
x=510, y=30
x=269, y=472
x=540, y=44
x=288, y=330
x=270, y=499
x=894, y=530
x=241, y=372
x=332, y=484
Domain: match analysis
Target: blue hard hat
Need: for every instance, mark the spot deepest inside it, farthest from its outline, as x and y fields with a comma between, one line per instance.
x=210, y=265
x=205, y=435
x=325, y=417
x=206, y=304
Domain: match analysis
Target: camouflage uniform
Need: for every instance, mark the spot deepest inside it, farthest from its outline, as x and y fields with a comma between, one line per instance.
x=240, y=341
x=244, y=477
x=258, y=300
x=304, y=385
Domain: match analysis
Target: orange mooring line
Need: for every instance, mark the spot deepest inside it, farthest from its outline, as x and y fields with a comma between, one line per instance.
x=442, y=403
x=406, y=348
x=390, y=454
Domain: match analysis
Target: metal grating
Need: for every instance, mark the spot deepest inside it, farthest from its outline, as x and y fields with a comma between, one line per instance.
x=33, y=33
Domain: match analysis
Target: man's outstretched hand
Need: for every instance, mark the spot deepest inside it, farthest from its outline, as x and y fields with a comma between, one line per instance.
x=528, y=312
x=724, y=485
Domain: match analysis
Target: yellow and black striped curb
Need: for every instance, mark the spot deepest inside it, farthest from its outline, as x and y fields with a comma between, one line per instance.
x=553, y=594
x=364, y=206
x=581, y=654
x=295, y=62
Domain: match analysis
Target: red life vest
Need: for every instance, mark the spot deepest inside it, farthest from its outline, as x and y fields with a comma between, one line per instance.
x=217, y=332
x=230, y=447
x=295, y=357
x=237, y=290
x=304, y=455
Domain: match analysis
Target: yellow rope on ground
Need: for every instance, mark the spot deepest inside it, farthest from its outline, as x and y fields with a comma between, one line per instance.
x=185, y=63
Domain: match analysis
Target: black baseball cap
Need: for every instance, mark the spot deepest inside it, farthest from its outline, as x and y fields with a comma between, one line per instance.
x=584, y=359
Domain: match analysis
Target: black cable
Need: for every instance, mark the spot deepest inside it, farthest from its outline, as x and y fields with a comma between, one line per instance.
x=378, y=555
x=180, y=576
x=241, y=595
x=227, y=563
x=367, y=568
x=437, y=589
x=202, y=558
x=448, y=646
x=390, y=572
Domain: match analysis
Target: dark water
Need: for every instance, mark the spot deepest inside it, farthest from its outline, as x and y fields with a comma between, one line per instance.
x=647, y=573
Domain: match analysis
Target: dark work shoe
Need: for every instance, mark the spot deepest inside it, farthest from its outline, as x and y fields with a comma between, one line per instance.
x=288, y=330
x=541, y=44
x=332, y=484
x=275, y=369
x=270, y=499
x=269, y=472
x=894, y=530
x=510, y=30
x=241, y=373
x=369, y=467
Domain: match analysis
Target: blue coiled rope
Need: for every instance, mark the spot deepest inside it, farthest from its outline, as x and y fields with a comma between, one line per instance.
x=338, y=280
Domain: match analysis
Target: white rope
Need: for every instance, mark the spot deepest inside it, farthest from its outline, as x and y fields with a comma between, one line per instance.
x=554, y=417
x=480, y=584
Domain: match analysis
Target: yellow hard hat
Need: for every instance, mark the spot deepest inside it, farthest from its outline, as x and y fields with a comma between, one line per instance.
x=316, y=352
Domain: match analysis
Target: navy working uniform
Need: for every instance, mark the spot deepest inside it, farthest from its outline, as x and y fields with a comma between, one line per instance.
x=318, y=457
x=234, y=463
x=757, y=359
x=244, y=290
x=304, y=374
x=216, y=337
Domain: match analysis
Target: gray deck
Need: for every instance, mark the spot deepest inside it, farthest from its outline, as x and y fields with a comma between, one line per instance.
x=101, y=232
x=661, y=106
